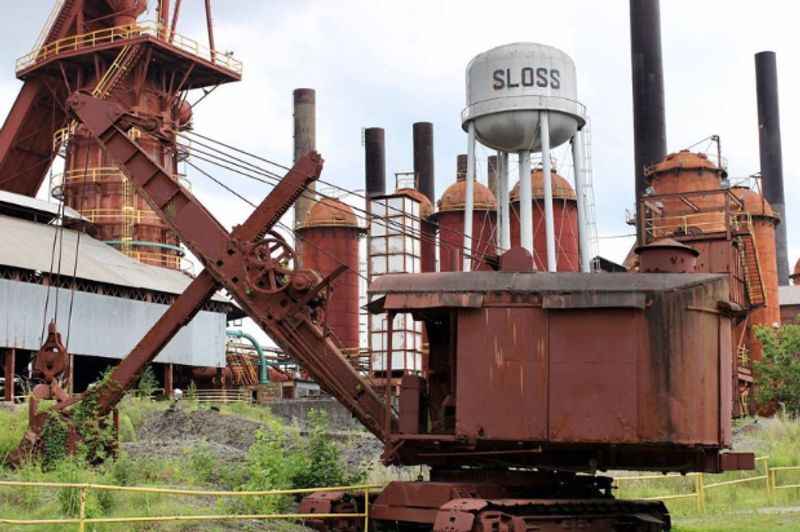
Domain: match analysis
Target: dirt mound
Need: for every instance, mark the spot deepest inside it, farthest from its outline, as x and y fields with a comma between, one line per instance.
x=213, y=427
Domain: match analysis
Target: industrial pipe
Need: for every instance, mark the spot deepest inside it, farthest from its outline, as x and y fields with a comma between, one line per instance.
x=210, y=24
x=375, y=161
x=649, y=121
x=491, y=174
x=549, y=225
x=423, y=159
x=263, y=373
x=770, y=151
x=305, y=141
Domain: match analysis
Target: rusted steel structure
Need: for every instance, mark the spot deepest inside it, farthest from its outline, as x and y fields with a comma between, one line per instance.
x=541, y=338
x=565, y=218
x=330, y=235
x=450, y=216
x=102, y=47
x=733, y=230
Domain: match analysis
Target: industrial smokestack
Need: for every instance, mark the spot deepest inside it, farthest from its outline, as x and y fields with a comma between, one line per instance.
x=375, y=161
x=305, y=140
x=423, y=159
x=461, y=167
x=491, y=173
x=649, y=122
x=769, y=141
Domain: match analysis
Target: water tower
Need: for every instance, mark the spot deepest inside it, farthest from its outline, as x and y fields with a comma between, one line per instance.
x=522, y=98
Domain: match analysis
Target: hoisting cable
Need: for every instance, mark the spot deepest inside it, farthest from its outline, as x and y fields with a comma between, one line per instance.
x=275, y=177
x=79, y=202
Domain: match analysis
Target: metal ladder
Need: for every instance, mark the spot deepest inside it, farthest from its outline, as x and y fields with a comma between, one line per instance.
x=754, y=281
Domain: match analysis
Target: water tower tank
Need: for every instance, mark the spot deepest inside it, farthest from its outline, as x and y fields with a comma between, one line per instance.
x=509, y=87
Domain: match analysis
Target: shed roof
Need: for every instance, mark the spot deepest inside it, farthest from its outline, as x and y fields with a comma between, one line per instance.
x=28, y=245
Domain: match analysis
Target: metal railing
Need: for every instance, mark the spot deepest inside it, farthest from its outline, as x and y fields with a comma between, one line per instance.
x=773, y=478
x=83, y=519
x=700, y=486
x=106, y=36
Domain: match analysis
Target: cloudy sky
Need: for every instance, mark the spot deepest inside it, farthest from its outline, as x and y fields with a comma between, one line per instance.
x=392, y=63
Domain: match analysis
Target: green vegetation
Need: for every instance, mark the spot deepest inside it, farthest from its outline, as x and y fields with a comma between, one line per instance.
x=282, y=457
x=779, y=370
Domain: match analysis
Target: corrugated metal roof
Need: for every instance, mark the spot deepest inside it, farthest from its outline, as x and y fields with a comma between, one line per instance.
x=29, y=245
x=536, y=282
x=33, y=204
x=789, y=295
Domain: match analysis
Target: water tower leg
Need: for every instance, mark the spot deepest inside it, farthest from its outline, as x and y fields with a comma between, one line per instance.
x=525, y=202
x=503, y=213
x=549, y=226
x=468, y=200
x=578, y=165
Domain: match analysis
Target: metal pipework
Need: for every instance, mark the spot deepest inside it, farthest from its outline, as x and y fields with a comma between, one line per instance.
x=770, y=151
x=469, y=197
x=305, y=141
x=491, y=174
x=525, y=203
x=263, y=374
x=549, y=225
x=375, y=161
x=649, y=121
x=423, y=159
x=579, y=166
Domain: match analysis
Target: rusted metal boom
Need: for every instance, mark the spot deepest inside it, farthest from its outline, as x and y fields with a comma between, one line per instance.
x=282, y=302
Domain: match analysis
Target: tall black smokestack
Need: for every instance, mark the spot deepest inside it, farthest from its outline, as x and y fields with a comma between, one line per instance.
x=375, y=161
x=423, y=159
x=769, y=142
x=649, y=122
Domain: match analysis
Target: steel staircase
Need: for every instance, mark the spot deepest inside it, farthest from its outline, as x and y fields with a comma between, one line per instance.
x=754, y=282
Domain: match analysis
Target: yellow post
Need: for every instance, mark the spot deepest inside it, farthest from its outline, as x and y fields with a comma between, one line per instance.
x=701, y=493
x=767, y=474
x=82, y=516
x=366, y=509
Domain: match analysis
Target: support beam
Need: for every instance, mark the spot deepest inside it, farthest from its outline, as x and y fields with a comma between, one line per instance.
x=549, y=225
x=210, y=24
x=469, y=197
x=9, y=369
x=579, y=166
x=169, y=387
x=503, y=206
x=525, y=202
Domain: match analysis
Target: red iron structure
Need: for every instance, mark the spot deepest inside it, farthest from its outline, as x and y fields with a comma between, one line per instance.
x=100, y=46
x=565, y=218
x=733, y=231
x=660, y=400
x=450, y=216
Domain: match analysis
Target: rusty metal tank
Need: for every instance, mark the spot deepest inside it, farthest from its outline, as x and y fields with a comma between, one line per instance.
x=763, y=220
x=94, y=186
x=795, y=276
x=428, y=227
x=330, y=234
x=126, y=11
x=667, y=256
x=451, y=223
x=565, y=217
x=681, y=181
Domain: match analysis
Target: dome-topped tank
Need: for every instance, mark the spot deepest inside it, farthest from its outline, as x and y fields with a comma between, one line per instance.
x=565, y=221
x=509, y=86
x=327, y=239
x=451, y=222
x=795, y=277
x=697, y=202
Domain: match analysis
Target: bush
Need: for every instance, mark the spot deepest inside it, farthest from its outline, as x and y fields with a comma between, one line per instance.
x=148, y=384
x=779, y=370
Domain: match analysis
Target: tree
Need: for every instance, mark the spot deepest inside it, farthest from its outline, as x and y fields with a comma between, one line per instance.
x=778, y=373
